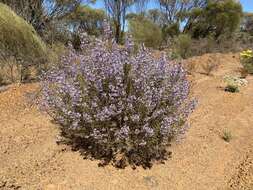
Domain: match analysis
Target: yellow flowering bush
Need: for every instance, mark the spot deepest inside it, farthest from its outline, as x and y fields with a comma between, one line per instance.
x=247, y=60
x=246, y=54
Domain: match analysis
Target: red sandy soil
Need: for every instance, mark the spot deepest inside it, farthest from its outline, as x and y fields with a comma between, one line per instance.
x=31, y=159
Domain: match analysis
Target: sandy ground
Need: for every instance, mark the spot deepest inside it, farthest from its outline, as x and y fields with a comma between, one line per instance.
x=31, y=159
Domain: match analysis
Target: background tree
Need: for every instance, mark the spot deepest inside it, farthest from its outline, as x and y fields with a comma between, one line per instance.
x=145, y=31
x=45, y=15
x=247, y=23
x=217, y=18
x=88, y=19
x=175, y=10
x=177, y=14
x=156, y=16
x=31, y=10
x=141, y=6
x=117, y=11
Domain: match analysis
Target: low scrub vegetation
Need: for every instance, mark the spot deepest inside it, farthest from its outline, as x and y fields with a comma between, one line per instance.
x=10, y=70
x=183, y=45
x=233, y=83
x=145, y=31
x=191, y=29
x=121, y=105
x=227, y=135
x=18, y=38
x=20, y=46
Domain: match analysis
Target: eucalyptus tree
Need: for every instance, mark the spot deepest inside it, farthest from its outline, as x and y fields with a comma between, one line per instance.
x=87, y=19
x=179, y=11
x=247, y=23
x=117, y=11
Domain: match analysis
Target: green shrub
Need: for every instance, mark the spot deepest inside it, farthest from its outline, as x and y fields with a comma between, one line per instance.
x=174, y=55
x=183, y=43
x=171, y=30
x=232, y=88
x=217, y=18
x=18, y=38
x=226, y=135
x=145, y=31
x=54, y=52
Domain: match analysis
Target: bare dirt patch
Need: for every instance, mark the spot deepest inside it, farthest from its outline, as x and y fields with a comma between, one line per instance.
x=31, y=159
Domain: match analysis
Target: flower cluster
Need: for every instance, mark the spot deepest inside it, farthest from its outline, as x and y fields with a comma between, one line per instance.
x=247, y=60
x=246, y=54
x=233, y=83
x=234, y=80
x=123, y=102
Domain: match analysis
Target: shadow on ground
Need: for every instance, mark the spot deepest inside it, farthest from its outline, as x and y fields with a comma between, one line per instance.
x=89, y=149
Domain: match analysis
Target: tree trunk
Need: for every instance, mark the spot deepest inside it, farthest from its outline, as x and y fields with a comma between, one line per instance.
x=117, y=32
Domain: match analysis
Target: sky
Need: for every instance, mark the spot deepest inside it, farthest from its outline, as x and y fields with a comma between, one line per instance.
x=247, y=5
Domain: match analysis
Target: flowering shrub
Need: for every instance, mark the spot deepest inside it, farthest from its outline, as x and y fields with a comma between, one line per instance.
x=115, y=102
x=246, y=54
x=247, y=60
x=234, y=80
x=233, y=83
